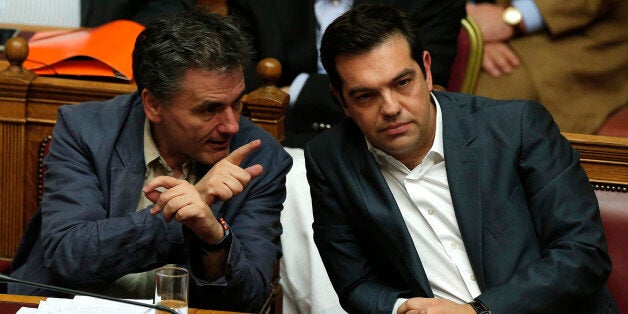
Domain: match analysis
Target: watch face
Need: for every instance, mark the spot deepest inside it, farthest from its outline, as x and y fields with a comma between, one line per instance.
x=512, y=16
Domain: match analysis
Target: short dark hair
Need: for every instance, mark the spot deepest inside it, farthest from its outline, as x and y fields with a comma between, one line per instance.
x=363, y=28
x=171, y=45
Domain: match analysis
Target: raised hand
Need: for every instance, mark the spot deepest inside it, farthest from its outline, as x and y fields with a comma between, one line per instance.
x=190, y=204
x=226, y=178
x=182, y=202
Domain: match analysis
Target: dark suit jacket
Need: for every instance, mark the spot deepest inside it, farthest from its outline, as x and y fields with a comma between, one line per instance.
x=98, y=12
x=527, y=214
x=286, y=30
x=91, y=232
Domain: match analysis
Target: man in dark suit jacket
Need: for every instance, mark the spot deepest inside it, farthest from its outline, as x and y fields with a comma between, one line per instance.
x=286, y=30
x=104, y=223
x=97, y=12
x=445, y=202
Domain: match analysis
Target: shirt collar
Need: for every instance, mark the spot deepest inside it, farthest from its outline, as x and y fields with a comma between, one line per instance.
x=436, y=151
x=152, y=155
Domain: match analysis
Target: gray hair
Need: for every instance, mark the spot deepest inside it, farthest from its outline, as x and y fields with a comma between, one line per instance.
x=171, y=45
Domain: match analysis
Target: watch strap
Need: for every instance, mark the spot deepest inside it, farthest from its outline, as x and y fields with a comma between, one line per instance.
x=479, y=307
x=223, y=243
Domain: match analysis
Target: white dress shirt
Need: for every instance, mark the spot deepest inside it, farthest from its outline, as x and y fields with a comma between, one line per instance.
x=423, y=197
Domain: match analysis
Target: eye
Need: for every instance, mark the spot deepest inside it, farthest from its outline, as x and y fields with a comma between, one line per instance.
x=211, y=108
x=362, y=98
x=404, y=82
x=236, y=106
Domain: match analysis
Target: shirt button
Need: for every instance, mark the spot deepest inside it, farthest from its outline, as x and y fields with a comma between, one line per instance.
x=472, y=277
x=431, y=211
x=454, y=245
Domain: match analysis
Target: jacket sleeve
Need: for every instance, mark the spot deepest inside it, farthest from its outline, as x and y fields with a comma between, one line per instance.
x=358, y=284
x=573, y=261
x=562, y=17
x=254, y=219
x=84, y=240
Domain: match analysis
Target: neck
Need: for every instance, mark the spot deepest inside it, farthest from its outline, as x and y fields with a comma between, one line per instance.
x=174, y=161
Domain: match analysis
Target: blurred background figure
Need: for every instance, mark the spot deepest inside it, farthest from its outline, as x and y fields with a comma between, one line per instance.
x=572, y=56
x=290, y=31
x=89, y=13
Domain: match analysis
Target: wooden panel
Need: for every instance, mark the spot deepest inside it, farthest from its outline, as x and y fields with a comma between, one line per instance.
x=604, y=158
x=217, y=6
x=11, y=189
x=13, y=90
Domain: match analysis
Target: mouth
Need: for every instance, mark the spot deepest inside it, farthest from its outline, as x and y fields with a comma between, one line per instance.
x=218, y=144
x=395, y=129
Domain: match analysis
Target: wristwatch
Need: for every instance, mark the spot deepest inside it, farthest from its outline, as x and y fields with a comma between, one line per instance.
x=223, y=243
x=479, y=307
x=513, y=17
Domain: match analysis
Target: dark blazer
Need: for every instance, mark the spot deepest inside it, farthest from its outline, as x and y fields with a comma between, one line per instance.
x=98, y=12
x=286, y=30
x=91, y=232
x=527, y=214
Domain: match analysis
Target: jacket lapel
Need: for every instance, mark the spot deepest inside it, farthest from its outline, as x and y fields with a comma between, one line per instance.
x=382, y=207
x=463, y=162
x=127, y=165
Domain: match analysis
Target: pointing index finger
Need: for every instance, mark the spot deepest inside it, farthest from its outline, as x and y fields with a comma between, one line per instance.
x=241, y=152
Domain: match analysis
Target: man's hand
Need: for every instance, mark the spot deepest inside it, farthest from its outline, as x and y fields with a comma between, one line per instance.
x=499, y=59
x=190, y=204
x=182, y=202
x=226, y=178
x=489, y=19
x=433, y=306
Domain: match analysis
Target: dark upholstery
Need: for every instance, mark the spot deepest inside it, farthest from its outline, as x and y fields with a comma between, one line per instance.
x=614, y=211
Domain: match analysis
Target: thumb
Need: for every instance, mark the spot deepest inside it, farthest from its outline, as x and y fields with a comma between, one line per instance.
x=254, y=170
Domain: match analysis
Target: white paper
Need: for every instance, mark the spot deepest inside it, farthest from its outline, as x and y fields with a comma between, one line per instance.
x=86, y=305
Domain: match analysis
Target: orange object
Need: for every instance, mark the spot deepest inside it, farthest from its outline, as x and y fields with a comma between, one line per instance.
x=102, y=51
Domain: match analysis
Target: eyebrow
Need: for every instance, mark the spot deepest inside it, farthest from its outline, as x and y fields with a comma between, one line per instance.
x=214, y=104
x=403, y=73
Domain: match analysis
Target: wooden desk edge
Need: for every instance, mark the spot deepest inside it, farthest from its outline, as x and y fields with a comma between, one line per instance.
x=27, y=299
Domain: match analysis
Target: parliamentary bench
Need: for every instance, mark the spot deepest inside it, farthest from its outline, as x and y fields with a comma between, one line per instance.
x=28, y=106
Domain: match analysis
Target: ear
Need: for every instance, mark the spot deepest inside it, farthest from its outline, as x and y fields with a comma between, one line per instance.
x=336, y=94
x=151, y=106
x=427, y=63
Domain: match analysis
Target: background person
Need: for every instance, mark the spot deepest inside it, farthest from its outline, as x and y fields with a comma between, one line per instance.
x=572, y=57
x=86, y=13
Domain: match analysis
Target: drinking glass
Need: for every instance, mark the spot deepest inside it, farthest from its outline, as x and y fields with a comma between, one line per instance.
x=171, y=288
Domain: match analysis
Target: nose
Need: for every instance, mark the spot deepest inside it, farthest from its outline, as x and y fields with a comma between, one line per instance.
x=390, y=106
x=228, y=121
